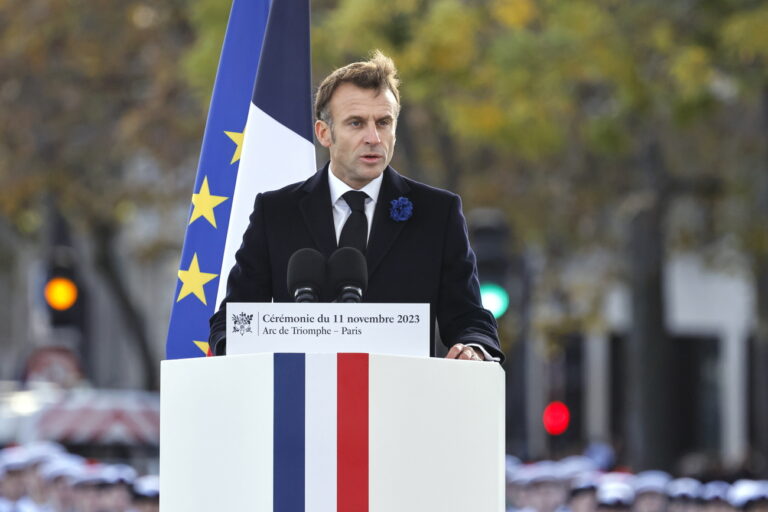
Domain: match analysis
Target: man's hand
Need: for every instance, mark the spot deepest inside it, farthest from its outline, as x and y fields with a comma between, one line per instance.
x=460, y=351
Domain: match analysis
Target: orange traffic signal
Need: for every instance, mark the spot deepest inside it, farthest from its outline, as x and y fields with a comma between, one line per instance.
x=60, y=293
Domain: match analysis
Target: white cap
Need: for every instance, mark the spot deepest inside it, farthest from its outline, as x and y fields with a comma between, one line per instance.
x=684, y=489
x=586, y=480
x=43, y=451
x=716, y=490
x=574, y=466
x=91, y=474
x=66, y=467
x=15, y=458
x=651, y=481
x=119, y=473
x=544, y=471
x=614, y=493
x=743, y=492
x=147, y=486
x=521, y=475
x=511, y=463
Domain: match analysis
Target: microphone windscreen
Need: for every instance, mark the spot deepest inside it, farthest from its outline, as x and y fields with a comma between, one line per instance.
x=347, y=267
x=306, y=269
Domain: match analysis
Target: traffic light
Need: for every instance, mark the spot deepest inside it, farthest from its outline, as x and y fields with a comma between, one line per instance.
x=489, y=234
x=63, y=296
x=63, y=291
x=556, y=418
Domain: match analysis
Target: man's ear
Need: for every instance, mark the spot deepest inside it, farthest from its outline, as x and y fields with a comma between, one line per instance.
x=323, y=133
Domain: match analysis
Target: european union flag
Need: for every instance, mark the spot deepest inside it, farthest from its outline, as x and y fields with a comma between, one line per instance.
x=258, y=137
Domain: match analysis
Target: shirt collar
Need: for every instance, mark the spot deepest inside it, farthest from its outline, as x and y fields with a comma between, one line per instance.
x=339, y=188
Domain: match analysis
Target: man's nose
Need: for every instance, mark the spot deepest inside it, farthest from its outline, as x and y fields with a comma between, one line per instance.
x=372, y=134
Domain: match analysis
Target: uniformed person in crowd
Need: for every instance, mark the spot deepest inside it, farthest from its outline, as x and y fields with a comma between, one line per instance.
x=684, y=495
x=115, y=491
x=146, y=494
x=583, y=494
x=518, y=488
x=547, y=488
x=14, y=464
x=714, y=497
x=749, y=495
x=615, y=494
x=58, y=476
x=651, y=491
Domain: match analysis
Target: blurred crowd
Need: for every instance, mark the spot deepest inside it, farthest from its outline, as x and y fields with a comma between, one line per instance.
x=44, y=477
x=577, y=484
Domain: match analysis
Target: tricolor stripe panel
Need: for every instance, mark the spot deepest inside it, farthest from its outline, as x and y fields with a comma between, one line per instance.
x=321, y=433
x=352, y=458
x=289, y=433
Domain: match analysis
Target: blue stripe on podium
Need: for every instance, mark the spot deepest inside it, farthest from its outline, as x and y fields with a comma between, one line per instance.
x=289, y=433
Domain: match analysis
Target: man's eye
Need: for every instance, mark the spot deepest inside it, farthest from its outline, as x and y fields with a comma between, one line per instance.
x=355, y=123
x=385, y=122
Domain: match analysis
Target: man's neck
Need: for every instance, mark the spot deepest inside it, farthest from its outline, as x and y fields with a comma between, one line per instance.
x=338, y=186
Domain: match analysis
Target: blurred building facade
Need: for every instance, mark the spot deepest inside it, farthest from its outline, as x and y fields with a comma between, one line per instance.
x=710, y=317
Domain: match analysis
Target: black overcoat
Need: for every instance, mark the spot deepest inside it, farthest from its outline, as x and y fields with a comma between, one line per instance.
x=424, y=259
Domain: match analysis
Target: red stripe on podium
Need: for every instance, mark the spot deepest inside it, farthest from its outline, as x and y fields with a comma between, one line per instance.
x=352, y=442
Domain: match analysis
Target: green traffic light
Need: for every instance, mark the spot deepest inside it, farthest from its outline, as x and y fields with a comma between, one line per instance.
x=495, y=298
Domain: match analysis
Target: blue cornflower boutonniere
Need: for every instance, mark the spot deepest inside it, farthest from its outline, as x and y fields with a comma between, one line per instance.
x=400, y=209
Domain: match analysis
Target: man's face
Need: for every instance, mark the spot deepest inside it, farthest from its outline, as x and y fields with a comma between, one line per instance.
x=361, y=136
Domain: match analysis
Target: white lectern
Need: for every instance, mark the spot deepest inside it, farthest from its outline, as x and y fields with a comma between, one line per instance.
x=331, y=432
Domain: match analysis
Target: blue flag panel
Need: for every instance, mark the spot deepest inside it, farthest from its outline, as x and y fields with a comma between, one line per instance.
x=281, y=73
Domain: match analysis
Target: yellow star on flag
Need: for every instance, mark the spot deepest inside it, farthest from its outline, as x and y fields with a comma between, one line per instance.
x=237, y=138
x=204, y=346
x=193, y=280
x=205, y=203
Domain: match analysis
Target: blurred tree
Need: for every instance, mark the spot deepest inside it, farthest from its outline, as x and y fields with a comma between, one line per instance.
x=744, y=55
x=90, y=93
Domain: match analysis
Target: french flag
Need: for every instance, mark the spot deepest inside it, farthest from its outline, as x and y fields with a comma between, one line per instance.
x=320, y=446
x=258, y=137
x=277, y=148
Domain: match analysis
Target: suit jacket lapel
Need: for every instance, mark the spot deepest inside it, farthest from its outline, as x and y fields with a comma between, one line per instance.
x=385, y=230
x=317, y=211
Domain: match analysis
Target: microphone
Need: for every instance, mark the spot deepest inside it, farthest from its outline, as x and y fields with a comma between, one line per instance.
x=306, y=275
x=348, y=274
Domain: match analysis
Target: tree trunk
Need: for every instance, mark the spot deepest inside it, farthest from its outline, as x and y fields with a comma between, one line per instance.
x=760, y=268
x=648, y=354
x=106, y=262
x=517, y=346
x=447, y=153
x=414, y=167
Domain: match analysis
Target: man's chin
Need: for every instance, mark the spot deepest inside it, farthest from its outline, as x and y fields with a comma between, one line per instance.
x=371, y=172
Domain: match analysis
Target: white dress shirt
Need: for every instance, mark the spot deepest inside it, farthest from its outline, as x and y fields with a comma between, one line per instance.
x=341, y=210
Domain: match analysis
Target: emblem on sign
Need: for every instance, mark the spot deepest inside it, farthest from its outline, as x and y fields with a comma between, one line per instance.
x=242, y=323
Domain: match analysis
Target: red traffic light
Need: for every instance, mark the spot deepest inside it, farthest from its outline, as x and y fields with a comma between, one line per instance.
x=556, y=418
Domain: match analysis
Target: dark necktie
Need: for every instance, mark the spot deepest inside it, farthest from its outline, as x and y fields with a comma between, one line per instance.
x=355, y=230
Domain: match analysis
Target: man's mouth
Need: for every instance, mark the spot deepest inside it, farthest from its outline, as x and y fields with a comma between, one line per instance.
x=371, y=157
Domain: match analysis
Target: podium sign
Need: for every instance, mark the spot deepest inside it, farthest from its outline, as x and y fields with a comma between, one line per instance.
x=322, y=328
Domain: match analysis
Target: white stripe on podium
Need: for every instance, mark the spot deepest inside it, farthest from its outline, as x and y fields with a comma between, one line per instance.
x=320, y=433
